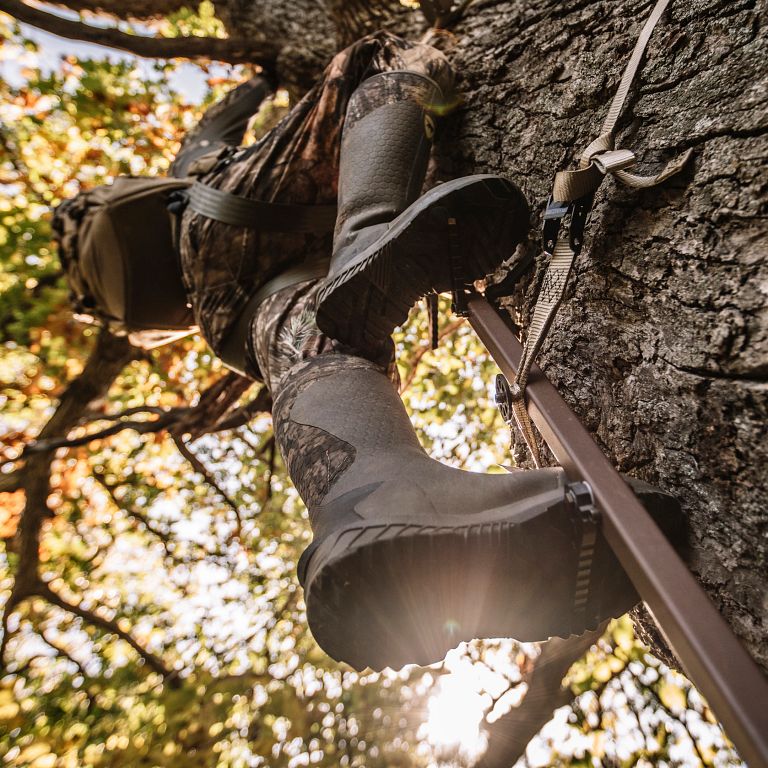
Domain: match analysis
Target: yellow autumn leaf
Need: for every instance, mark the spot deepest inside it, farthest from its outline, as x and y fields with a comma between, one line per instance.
x=8, y=711
x=602, y=672
x=673, y=697
x=32, y=752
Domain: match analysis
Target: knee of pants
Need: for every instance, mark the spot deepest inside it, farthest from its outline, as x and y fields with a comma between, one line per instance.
x=384, y=52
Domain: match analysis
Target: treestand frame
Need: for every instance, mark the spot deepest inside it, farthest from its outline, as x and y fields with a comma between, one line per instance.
x=710, y=653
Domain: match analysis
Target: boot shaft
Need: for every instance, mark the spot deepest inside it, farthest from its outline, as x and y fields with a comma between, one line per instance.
x=388, y=131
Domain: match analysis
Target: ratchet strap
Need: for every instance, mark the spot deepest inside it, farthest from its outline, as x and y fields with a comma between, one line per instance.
x=571, y=201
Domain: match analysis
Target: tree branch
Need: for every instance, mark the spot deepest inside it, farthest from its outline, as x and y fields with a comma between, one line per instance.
x=164, y=537
x=11, y=481
x=134, y=9
x=140, y=427
x=201, y=469
x=17, y=162
x=509, y=736
x=215, y=404
x=133, y=411
x=262, y=403
x=10, y=604
x=258, y=450
x=211, y=414
x=108, y=358
x=230, y=50
x=63, y=653
x=107, y=625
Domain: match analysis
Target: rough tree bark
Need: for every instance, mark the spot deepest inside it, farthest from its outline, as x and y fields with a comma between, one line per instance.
x=660, y=346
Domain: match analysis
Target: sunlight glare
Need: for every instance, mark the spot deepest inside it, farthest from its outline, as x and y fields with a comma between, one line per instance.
x=456, y=709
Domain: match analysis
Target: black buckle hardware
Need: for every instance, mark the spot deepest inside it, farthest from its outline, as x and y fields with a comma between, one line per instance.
x=579, y=215
x=504, y=398
x=178, y=201
x=555, y=212
x=506, y=394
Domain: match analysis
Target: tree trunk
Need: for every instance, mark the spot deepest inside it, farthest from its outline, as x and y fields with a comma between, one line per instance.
x=660, y=346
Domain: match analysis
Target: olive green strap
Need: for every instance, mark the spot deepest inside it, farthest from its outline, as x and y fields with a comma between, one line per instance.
x=267, y=217
x=572, y=196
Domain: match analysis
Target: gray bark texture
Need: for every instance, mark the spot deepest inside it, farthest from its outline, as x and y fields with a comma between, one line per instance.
x=661, y=343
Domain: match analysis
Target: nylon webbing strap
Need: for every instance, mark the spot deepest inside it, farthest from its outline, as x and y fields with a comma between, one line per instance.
x=571, y=201
x=547, y=303
x=268, y=217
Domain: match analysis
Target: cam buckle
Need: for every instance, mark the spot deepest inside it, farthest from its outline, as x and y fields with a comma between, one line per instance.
x=578, y=213
x=554, y=213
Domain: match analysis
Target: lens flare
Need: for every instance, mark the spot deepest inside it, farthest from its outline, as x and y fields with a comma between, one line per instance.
x=456, y=710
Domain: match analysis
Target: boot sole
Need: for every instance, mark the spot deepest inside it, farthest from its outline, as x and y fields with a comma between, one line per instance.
x=388, y=595
x=373, y=294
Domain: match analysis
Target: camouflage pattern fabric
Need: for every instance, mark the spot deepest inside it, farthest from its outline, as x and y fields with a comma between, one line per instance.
x=314, y=457
x=296, y=162
x=284, y=333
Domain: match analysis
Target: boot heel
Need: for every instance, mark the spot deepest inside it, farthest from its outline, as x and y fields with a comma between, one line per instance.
x=380, y=273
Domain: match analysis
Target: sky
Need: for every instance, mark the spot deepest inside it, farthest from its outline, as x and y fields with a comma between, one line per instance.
x=189, y=79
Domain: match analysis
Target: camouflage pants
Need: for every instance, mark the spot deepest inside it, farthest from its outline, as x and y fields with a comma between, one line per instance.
x=296, y=162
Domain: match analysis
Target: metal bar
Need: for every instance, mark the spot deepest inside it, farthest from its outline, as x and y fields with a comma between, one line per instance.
x=710, y=653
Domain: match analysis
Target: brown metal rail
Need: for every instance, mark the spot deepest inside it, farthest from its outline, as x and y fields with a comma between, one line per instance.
x=712, y=656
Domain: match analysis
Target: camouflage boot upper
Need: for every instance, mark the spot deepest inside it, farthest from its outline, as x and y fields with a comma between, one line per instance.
x=410, y=556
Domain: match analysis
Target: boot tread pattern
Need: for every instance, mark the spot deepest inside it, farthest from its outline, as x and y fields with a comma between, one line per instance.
x=408, y=593
x=363, y=304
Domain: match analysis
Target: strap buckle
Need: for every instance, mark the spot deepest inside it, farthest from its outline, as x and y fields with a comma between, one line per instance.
x=554, y=213
x=578, y=213
x=178, y=201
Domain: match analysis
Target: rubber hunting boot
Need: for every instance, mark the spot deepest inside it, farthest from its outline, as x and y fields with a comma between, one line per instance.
x=411, y=557
x=389, y=250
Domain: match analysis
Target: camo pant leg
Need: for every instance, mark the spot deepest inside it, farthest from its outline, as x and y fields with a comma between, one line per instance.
x=296, y=162
x=283, y=333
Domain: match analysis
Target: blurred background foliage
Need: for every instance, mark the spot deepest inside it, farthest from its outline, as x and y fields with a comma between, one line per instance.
x=196, y=561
